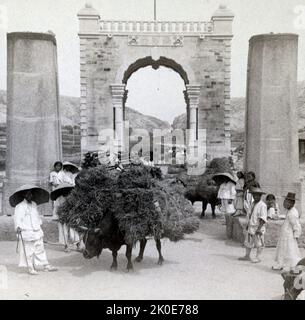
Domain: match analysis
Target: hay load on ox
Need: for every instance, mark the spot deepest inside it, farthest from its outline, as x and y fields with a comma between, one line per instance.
x=143, y=204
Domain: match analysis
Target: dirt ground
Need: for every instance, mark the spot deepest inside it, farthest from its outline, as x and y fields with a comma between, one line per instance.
x=203, y=266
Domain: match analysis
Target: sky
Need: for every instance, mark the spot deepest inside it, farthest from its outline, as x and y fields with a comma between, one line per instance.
x=251, y=17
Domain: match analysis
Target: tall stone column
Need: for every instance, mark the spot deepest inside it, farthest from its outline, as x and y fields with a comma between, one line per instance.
x=271, y=119
x=194, y=159
x=187, y=102
x=118, y=94
x=33, y=126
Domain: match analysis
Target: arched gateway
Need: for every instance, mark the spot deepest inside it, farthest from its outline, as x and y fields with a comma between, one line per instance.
x=110, y=51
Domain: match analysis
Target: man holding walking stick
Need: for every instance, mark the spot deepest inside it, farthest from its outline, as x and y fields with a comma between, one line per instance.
x=28, y=227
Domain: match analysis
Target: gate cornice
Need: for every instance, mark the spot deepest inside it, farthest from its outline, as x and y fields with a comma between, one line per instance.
x=91, y=26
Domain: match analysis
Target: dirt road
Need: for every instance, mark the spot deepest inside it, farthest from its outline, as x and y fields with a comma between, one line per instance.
x=203, y=266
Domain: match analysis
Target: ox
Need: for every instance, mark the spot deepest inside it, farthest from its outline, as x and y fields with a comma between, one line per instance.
x=109, y=236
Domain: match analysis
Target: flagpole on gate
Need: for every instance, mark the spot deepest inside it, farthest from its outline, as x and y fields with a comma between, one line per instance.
x=155, y=10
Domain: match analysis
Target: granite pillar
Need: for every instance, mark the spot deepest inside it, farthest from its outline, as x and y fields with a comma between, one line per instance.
x=271, y=116
x=118, y=94
x=33, y=125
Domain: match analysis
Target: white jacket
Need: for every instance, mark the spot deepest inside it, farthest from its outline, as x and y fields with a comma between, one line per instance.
x=28, y=220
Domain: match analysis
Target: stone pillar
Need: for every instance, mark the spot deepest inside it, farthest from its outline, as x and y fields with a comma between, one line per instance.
x=33, y=126
x=194, y=157
x=118, y=93
x=89, y=27
x=193, y=93
x=187, y=102
x=271, y=119
x=124, y=103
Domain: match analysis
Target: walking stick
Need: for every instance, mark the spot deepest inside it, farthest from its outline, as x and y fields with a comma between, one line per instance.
x=24, y=251
x=65, y=240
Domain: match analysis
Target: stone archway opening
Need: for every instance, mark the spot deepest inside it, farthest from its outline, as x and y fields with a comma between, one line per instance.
x=158, y=90
x=155, y=64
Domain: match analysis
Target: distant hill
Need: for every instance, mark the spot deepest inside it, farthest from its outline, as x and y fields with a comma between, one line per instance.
x=238, y=115
x=70, y=121
x=70, y=115
x=138, y=120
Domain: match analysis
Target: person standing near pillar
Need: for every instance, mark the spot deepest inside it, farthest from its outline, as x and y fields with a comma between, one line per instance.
x=28, y=227
x=226, y=194
x=56, y=176
x=55, y=179
x=287, y=250
x=58, y=195
x=239, y=200
x=70, y=171
x=256, y=226
x=250, y=182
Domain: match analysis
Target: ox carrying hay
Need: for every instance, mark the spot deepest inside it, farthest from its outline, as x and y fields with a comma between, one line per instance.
x=202, y=188
x=132, y=196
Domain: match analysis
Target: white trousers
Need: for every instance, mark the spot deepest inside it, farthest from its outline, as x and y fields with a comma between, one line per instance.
x=35, y=254
x=67, y=235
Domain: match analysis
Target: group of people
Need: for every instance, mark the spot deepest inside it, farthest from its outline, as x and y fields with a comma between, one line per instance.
x=244, y=197
x=28, y=221
x=241, y=197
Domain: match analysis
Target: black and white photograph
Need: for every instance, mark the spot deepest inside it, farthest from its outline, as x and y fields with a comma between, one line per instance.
x=152, y=150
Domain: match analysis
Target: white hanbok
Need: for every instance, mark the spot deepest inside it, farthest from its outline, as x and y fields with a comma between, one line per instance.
x=27, y=218
x=287, y=250
x=227, y=194
x=68, y=177
x=56, y=178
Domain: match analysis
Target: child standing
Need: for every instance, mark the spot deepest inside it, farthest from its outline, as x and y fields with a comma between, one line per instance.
x=239, y=200
x=287, y=251
x=272, y=207
x=56, y=176
x=255, y=230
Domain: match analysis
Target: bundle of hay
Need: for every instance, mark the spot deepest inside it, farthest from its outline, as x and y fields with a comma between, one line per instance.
x=205, y=183
x=178, y=214
x=92, y=196
x=131, y=196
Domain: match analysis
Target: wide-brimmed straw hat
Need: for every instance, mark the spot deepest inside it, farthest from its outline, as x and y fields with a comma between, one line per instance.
x=290, y=196
x=60, y=190
x=257, y=190
x=224, y=174
x=74, y=168
x=40, y=195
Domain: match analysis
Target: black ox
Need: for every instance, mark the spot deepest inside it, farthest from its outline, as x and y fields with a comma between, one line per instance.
x=109, y=236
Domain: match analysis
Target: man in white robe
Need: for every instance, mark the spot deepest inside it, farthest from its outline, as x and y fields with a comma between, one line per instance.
x=28, y=225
